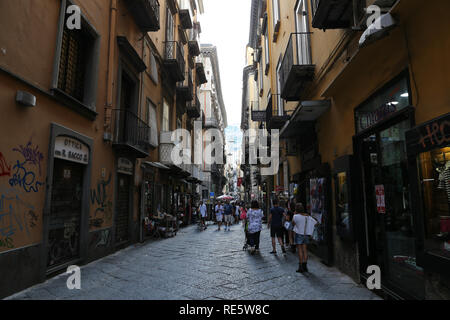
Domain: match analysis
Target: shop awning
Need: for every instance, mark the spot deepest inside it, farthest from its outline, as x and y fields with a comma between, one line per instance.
x=156, y=165
x=304, y=117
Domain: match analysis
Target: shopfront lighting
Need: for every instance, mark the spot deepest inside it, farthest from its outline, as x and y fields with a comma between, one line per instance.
x=405, y=95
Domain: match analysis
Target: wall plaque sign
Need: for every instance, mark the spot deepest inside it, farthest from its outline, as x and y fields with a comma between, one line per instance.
x=71, y=149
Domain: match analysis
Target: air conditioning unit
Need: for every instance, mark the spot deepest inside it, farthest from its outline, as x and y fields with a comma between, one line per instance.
x=377, y=30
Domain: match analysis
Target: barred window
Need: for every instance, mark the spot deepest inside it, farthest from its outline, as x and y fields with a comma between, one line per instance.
x=76, y=64
x=72, y=67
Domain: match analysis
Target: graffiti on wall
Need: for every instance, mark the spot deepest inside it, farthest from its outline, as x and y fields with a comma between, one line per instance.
x=6, y=243
x=24, y=178
x=18, y=216
x=5, y=169
x=31, y=154
x=103, y=206
x=101, y=239
x=15, y=215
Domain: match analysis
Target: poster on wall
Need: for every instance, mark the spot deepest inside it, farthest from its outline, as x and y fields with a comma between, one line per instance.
x=381, y=202
x=317, y=202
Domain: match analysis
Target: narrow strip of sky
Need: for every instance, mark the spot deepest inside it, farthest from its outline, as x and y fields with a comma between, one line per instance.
x=226, y=24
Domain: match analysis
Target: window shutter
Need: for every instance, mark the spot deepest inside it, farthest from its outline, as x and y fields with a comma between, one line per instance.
x=154, y=68
x=153, y=126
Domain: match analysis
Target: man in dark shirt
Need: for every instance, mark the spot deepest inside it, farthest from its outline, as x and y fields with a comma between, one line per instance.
x=228, y=215
x=275, y=223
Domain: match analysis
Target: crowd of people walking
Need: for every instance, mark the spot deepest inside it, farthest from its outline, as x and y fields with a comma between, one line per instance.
x=289, y=223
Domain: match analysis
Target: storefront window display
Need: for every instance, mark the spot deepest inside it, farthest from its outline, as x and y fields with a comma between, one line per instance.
x=434, y=168
x=342, y=197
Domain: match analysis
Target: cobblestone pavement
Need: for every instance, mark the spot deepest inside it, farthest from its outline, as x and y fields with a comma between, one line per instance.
x=197, y=265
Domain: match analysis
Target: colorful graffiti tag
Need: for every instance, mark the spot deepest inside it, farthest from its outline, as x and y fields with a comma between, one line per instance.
x=14, y=216
x=5, y=169
x=103, y=206
x=31, y=154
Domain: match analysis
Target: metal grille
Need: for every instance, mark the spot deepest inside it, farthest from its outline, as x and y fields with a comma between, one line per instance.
x=123, y=212
x=65, y=213
x=72, y=66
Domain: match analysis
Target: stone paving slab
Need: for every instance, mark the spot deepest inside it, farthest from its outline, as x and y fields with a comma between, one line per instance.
x=197, y=265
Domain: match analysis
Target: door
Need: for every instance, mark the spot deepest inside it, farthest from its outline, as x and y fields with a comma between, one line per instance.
x=65, y=213
x=389, y=225
x=123, y=208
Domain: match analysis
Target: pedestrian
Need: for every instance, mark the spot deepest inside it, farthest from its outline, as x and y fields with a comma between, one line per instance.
x=237, y=213
x=219, y=214
x=203, y=214
x=254, y=216
x=228, y=215
x=303, y=227
x=275, y=223
x=289, y=226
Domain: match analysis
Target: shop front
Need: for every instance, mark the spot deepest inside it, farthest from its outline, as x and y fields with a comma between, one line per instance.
x=386, y=230
x=428, y=151
x=66, y=223
x=313, y=190
x=123, y=216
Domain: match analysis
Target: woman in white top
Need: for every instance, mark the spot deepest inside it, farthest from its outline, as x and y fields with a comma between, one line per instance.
x=303, y=227
x=254, y=216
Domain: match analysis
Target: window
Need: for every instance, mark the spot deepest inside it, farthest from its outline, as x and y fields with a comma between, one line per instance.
x=314, y=5
x=261, y=80
x=151, y=121
x=170, y=26
x=266, y=52
x=435, y=184
x=76, y=62
x=165, y=119
x=150, y=61
x=276, y=18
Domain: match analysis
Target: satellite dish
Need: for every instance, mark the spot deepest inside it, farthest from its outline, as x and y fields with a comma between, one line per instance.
x=377, y=30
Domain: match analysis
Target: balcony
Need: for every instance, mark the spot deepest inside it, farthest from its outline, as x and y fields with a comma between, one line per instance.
x=193, y=108
x=276, y=116
x=194, y=47
x=211, y=123
x=332, y=14
x=174, y=60
x=131, y=134
x=297, y=69
x=257, y=115
x=186, y=14
x=165, y=149
x=200, y=72
x=185, y=88
x=145, y=13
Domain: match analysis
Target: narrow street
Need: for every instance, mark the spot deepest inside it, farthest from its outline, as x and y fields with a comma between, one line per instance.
x=202, y=265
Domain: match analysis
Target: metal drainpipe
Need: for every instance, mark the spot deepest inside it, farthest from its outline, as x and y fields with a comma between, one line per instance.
x=110, y=73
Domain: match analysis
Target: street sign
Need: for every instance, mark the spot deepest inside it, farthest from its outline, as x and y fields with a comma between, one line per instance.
x=211, y=194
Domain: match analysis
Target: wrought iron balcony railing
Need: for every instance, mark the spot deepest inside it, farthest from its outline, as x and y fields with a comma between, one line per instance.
x=331, y=14
x=185, y=88
x=131, y=133
x=276, y=115
x=194, y=47
x=200, y=73
x=296, y=68
x=145, y=13
x=174, y=60
x=193, y=108
x=186, y=14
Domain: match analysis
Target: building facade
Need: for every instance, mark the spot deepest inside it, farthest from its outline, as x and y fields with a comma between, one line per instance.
x=362, y=113
x=92, y=164
x=215, y=120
